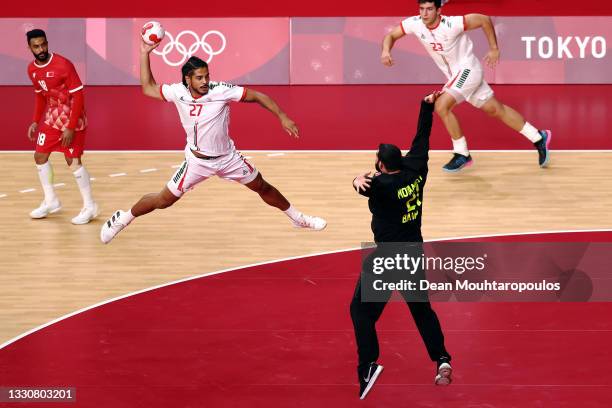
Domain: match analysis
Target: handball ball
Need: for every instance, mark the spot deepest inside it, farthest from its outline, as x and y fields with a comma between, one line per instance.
x=152, y=32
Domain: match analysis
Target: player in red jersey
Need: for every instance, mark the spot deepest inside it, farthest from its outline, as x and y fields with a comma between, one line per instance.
x=59, y=96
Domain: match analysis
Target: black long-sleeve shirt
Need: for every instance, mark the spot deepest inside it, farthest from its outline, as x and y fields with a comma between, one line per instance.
x=396, y=200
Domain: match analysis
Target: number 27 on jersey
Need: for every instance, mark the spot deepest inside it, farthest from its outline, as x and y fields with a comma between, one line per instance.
x=195, y=110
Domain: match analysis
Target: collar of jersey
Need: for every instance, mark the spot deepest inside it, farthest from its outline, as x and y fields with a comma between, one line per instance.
x=437, y=25
x=47, y=63
x=200, y=98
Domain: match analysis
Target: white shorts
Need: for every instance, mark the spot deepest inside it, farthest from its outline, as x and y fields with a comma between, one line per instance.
x=469, y=85
x=193, y=170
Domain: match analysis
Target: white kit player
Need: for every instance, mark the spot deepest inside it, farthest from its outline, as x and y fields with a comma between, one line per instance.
x=203, y=107
x=451, y=49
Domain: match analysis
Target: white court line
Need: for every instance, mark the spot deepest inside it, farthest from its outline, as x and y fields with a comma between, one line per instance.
x=27, y=190
x=59, y=184
x=248, y=157
x=92, y=179
x=147, y=170
x=275, y=154
x=105, y=302
x=3, y=195
x=175, y=166
x=117, y=175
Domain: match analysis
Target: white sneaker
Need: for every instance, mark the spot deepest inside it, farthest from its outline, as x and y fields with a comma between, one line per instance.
x=308, y=221
x=112, y=227
x=44, y=209
x=443, y=377
x=87, y=214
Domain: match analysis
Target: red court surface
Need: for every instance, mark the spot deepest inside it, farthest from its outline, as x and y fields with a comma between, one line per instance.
x=280, y=335
x=332, y=118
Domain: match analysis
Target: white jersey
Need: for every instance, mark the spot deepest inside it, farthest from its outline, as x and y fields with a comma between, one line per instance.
x=447, y=43
x=206, y=119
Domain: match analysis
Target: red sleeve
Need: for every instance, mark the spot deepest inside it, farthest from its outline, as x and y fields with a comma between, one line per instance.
x=78, y=103
x=39, y=107
x=243, y=97
x=73, y=82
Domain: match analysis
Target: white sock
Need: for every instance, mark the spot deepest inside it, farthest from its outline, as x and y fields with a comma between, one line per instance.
x=531, y=133
x=82, y=179
x=292, y=213
x=45, y=174
x=126, y=217
x=460, y=146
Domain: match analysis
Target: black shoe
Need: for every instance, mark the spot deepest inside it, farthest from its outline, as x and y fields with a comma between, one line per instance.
x=542, y=146
x=457, y=163
x=444, y=372
x=367, y=378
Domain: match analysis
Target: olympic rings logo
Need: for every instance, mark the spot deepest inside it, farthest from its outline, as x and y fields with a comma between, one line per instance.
x=185, y=52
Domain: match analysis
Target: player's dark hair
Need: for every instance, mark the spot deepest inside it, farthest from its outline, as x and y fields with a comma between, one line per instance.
x=391, y=156
x=191, y=65
x=437, y=3
x=35, y=33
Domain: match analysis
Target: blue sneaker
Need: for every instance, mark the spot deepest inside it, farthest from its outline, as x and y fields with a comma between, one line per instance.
x=457, y=163
x=542, y=146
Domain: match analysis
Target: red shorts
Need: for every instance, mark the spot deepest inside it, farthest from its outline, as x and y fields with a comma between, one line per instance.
x=50, y=140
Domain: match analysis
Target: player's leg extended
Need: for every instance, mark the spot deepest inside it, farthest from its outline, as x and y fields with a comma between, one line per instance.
x=50, y=203
x=148, y=203
x=81, y=176
x=181, y=181
x=271, y=196
x=154, y=201
x=461, y=155
x=514, y=120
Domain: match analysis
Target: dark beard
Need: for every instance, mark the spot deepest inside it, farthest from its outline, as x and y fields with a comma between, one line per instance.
x=42, y=57
x=377, y=166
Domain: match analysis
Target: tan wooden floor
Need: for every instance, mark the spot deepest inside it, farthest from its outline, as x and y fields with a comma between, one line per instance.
x=49, y=267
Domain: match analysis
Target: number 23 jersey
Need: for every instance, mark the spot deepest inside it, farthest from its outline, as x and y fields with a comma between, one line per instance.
x=447, y=43
x=206, y=119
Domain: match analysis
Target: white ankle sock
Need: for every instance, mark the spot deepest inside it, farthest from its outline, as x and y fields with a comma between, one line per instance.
x=82, y=179
x=460, y=146
x=45, y=174
x=127, y=217
x=531, y=133
x=292, y=213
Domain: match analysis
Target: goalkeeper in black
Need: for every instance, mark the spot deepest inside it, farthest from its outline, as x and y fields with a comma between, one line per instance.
x=395, y=198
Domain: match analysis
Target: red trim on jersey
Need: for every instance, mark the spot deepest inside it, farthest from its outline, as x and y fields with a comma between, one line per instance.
x=402, y=27
x=464, y=24
x=247, y=163
x=244, y=91
x=454, y=79
x=436, y=26
x=162, y=93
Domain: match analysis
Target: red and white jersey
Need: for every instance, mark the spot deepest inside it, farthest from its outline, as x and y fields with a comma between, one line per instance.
x=206, y=119
x=57, y=80
x=447, y=43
